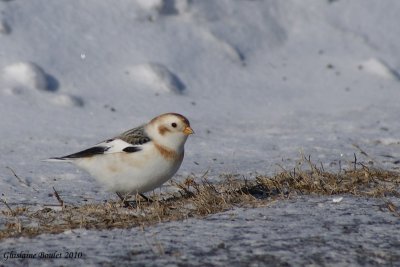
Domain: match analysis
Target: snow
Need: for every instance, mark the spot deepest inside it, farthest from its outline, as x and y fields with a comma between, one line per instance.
x=25, y=75
x=337, y=199
x=379, y=68
x=4, y=28
x=157, y=77
x=150, y=4
x=67, y=100
x=261, y=82
x=298, y=232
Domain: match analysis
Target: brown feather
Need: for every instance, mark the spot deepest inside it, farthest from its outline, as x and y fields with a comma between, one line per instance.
x=167, y=153
x=162, y=130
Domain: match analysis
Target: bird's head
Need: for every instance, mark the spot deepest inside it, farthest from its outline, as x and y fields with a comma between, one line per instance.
x=170, y=130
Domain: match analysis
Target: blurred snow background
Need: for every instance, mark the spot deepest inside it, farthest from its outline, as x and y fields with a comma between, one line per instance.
x=260, y=81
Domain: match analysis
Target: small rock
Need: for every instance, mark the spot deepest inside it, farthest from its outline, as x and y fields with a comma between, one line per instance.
x=221, y=245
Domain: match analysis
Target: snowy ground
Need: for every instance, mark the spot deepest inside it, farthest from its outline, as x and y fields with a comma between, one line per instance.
x=300, y=232
x=260, y=81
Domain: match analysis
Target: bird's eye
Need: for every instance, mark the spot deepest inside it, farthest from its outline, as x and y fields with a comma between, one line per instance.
x=174, y=124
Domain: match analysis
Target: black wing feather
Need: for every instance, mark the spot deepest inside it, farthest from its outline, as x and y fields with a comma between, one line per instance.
x=96, y=150
x=131, y=149
x=135, y=137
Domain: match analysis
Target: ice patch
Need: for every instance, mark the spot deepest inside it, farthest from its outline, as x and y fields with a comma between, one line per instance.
x=337, y=199
x=25, y=75
x=380, y=68
x=158, y=77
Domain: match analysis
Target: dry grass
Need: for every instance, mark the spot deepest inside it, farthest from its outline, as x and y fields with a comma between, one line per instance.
x=201, y=198
x=359, y=181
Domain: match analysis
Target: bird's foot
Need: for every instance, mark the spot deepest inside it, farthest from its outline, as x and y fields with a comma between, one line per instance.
x=127, y=204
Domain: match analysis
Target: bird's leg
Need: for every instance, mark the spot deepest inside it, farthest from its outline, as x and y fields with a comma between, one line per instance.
x=123, y=199
x=120, y=196
x=146, y=198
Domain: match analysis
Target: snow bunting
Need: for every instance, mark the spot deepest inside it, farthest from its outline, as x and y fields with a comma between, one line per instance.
x=138, y=160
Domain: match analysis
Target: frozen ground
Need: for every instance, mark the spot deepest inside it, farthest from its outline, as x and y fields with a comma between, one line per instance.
x=305, y=231
x=260, y=81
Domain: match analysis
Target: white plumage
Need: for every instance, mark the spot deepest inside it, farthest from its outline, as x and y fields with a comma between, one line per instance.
x=138, y=160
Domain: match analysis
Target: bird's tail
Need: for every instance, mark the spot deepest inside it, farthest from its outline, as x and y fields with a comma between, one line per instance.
x=57, y=160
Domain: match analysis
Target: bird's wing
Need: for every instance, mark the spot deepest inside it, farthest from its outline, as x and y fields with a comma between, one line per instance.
x=109, y=146
x=128, y=142
x=135, y=136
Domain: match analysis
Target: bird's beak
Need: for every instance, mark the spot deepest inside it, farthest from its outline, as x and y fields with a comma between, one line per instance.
x=188, y=130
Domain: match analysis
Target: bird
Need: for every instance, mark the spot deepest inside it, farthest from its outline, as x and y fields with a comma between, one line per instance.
x=138, y=160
